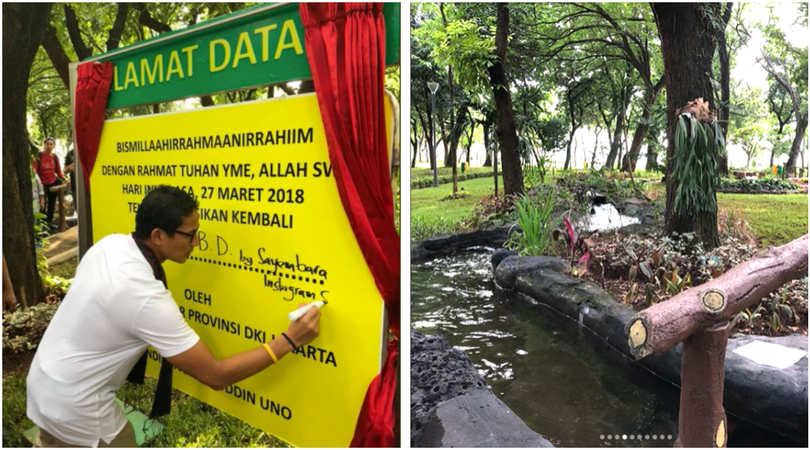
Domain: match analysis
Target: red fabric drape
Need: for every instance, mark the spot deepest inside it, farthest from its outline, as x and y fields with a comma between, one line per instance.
x=345, y=45
x=92, y=90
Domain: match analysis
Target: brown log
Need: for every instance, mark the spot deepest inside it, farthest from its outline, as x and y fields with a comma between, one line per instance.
x=662, y=326
x=702, y=420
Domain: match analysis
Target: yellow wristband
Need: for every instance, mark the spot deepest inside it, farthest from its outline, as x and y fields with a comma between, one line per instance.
x=270, y=352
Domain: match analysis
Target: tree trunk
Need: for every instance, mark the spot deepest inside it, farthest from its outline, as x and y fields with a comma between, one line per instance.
x=687, y=45
x=450, y=158
x=652, y=155
x=414, y=142
x=505, y=129
x=595, y=146
x=567, y=164
x=630, y=160
x=470, y=142
x=615, y=146
x=431, y=139
x=23, y=32
x=456, y=136
x=725, y=90
x=615, y=143
x=801, y=128
x=488, y=159
x=444, y=143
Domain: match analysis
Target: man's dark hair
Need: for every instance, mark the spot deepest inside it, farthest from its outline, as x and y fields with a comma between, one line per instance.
x=49, y=139
x=163, y=208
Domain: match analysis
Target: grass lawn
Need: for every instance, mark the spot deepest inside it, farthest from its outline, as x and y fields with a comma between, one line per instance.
x=191, y=423
x=774, y=219
x=430, y=215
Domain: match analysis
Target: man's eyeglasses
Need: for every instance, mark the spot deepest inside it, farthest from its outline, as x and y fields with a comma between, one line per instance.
x=190, y=235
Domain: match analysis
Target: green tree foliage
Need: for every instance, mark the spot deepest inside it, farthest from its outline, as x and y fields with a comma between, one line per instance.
x=786, y=65
x=750, y=121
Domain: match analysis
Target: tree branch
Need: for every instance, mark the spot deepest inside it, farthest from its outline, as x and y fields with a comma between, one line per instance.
x=57, y=55
x=114, y=38
x=75, y=34
x=146, y=19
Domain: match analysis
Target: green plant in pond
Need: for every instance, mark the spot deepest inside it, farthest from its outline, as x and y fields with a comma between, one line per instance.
x=751, y=316
x=779, y=307
x=534, y=219
x=695, y=172
x=776, y=323
x=575, y=243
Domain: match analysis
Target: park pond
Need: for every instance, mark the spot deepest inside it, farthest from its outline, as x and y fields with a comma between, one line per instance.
x=561, y=379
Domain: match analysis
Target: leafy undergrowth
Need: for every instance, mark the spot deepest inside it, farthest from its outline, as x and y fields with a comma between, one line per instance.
x=643, y=270
x=191, y=423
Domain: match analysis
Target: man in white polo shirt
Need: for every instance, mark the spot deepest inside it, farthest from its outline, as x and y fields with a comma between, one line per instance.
x=117, y=306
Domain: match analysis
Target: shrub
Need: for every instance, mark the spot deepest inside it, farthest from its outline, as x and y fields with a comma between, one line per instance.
x=535, y=222
x=426, y=226
x=582, y=185
x=492, y=211
x=767, y=184
x=23, y=329
x=424, y=182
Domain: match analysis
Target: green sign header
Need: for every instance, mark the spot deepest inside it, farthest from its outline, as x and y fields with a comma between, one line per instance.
x=254, y=47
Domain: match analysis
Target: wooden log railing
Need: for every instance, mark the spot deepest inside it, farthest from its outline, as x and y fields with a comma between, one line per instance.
x=664, y=325
x=699, y=317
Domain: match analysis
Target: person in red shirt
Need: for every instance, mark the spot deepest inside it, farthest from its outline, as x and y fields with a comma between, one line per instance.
x=50, y=173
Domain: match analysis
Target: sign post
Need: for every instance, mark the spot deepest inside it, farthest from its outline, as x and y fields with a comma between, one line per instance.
x=273, y=232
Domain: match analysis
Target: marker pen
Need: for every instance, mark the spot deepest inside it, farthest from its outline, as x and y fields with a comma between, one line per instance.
x=298, y=313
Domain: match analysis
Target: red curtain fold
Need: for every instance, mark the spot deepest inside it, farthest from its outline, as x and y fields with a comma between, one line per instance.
x=345, y=46
x=92, y=91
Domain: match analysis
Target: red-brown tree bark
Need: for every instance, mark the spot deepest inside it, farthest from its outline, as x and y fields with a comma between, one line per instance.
x=662, y=326
x=702, y=419
x=505, y=125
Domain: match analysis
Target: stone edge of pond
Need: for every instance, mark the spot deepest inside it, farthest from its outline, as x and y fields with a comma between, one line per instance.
x=448, y=243
x=452, y=405
x=775, y=399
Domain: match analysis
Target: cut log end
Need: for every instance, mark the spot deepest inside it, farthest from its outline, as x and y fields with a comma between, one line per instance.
x=637, y=338
x=720, y=435
x=714, y=301
x=638, y=333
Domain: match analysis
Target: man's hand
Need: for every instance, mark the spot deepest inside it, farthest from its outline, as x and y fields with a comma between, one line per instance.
x=218, y=374
x=69, y=168
x=305, y=330
x=41, y=203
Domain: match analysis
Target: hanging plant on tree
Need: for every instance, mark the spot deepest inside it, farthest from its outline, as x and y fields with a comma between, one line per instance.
x=698, y=145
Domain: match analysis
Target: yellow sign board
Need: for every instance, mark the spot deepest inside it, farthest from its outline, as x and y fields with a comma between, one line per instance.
x=273, y=233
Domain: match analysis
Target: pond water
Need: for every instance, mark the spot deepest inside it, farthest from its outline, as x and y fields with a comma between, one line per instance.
x=605, y=217
x=562, y=380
